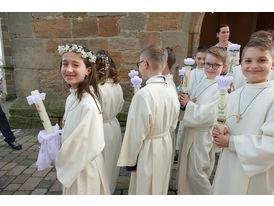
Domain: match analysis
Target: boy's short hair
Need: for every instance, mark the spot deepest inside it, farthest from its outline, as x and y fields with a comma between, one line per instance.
x=156, y=54
x=171, y=58
x=261, y=34
x=262, y=44
x=218, y=52
x=201, y=49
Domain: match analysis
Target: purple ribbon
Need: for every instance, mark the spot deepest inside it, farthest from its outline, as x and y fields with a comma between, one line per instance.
x=133, y=73
x=224, y=81
x=136, y=81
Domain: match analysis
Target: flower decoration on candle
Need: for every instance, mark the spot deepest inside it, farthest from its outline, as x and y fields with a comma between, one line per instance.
x=136, y=83
x=189, y=62
x=233, y=57
x=133, y=73
x=224, y=83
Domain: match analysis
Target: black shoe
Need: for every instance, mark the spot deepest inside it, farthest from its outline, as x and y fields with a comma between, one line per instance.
x=15, y=145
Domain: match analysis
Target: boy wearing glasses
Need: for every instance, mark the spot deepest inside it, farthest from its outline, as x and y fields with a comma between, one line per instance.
x=153, y=113
x=196, y=157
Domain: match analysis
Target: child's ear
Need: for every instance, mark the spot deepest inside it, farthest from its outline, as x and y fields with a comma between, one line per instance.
x=224, y=68
x=88, y=71
x=272, y=68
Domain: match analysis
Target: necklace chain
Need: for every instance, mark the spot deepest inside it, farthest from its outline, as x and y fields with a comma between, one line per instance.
x=195, y=98
x=239, y=116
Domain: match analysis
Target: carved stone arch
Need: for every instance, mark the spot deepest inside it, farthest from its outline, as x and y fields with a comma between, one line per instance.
x=194, y=32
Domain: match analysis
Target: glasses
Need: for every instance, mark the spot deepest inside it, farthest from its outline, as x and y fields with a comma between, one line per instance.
x=214, y=66
x=138, y=63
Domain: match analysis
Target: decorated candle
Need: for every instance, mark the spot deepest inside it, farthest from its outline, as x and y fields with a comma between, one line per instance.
x=188, y=62
x=181, y=74
x=133, y=73
x=136, y=83
x=223, y=84
x=36, y=98
x=233, y=57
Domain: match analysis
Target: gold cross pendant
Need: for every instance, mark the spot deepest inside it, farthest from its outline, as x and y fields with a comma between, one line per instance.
x=239, y=118
x=194, y=99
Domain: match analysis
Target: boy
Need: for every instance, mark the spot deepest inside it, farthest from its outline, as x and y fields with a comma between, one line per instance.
x=196, y=157
x=153, y=113
x=239, y=79
x=196, y=76
x=246, y=165
x=171, y=59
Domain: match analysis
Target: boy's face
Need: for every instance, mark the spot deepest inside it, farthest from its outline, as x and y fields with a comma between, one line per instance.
x=213, y=66
x=143, y=67
x=256, y=65
x=200, y=59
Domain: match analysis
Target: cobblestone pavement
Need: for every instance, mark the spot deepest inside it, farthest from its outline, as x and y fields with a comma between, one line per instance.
x=19, y=175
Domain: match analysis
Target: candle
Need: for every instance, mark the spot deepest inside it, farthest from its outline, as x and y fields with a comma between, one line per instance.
x=181, y=74
x=136, y=83
x=223, y=84
x=185, y=75
x=36, y=98
x=233, y=57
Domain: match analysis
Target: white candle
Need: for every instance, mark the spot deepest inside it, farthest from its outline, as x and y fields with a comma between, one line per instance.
x=223, y=84
x=42, y=113
x=186, y=79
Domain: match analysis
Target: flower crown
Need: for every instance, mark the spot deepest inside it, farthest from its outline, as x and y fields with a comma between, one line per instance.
x=77, y=49
x=105, y=58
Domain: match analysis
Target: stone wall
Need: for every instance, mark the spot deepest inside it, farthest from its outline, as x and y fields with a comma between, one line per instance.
x=31, y=39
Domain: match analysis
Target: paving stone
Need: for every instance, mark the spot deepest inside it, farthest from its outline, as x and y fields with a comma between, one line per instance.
x=57, y=187
x=53, y=193
x=33, y=156
x=19, y=159
x=9, y=166
x=39, y=191
x=117, y=192
x=5, y=180
x=21, y=178
x=42, y=173
x=2, y=172
x=51, y=176
x=29, y=171
x=27, y=162
x=22, y=193
x=46, y=183
x=122, y=182
x=5, y=192
x=9, y=157
x=2, y=164
x=4, y=153
x=31, y=183
x=12, y=187
x=17, y=170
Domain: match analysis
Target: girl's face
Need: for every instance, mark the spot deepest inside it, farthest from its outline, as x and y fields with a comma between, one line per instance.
x=223, y=35
x=74, y=69
x=213, y=66
x=256, y=65
x=200, y=59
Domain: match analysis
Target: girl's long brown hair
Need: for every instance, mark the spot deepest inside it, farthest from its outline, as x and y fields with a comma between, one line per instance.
x=102, y=72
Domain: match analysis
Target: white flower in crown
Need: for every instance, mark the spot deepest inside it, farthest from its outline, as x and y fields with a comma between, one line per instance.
x=77, y=49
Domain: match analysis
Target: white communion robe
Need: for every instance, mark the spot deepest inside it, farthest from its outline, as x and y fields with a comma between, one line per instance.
x=196, y=76
x=239, y=79
x=80, y=164
x=247, y=165
x=153, y=113
x=197, y=155
x=112, y=102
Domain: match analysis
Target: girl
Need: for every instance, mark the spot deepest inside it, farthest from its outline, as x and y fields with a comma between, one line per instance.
x=111, y=96
x=246, y=164
x=79, y=163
